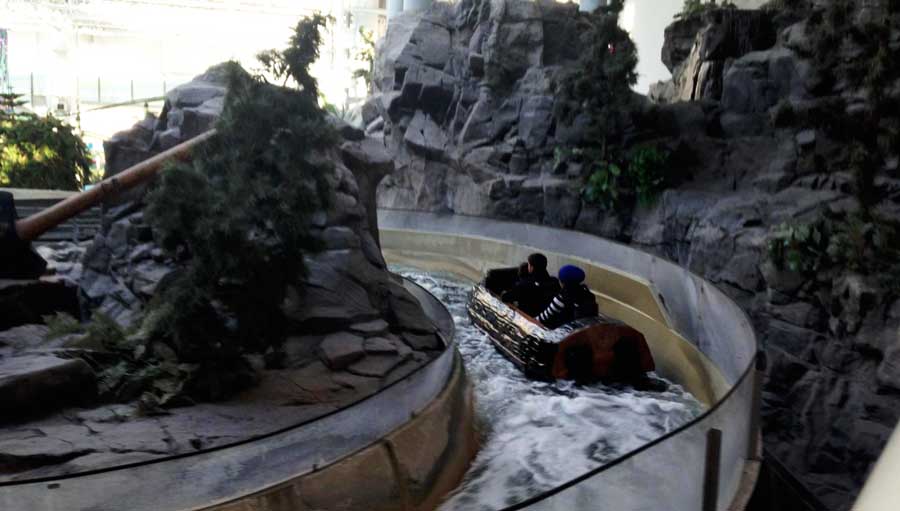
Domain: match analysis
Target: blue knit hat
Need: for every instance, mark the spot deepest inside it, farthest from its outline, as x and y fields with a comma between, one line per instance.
x=570, y=274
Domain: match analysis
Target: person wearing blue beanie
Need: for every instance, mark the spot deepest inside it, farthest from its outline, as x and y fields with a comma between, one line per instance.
x=571, y=274
x=573, y=302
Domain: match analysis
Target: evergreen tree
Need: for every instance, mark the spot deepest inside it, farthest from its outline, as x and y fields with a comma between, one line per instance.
x=39, y=152
x=238, y=216
x=602, y=87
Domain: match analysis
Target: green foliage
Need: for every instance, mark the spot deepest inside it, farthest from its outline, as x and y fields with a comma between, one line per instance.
x=101, y=333
x=302, y=52
x=641, y=177
x=860, y=243
x=62, y=324
x=158, y=384
x=39, y=152
x=603, y=186
x=238, y=216
x=647, y=167
x=341, y=112
x=602, y=88
x=798, y=248
x=367, y=55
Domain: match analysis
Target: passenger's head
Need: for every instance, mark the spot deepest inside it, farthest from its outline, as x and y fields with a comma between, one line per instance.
x=570, y=275
x=537, y=263
x=524, y=269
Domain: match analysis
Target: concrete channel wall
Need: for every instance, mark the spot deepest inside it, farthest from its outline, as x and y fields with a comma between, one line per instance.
x=401, y=449
x=699, y=338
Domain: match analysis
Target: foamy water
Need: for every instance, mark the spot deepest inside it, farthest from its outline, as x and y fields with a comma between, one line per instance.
x=535, y=435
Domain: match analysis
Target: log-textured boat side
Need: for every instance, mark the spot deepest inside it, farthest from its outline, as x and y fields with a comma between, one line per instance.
x=595, y=348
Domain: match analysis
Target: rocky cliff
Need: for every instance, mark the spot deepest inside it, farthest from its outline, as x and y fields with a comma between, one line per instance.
x=466, y=94
x=772, y=114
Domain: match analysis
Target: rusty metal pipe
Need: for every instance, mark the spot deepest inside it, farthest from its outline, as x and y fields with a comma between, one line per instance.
x=31, y=228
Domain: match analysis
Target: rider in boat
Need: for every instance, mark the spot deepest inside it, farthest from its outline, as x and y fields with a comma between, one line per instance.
x=573, y=302
x=535, y=288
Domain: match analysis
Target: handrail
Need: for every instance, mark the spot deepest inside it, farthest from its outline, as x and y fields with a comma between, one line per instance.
x=31, y=228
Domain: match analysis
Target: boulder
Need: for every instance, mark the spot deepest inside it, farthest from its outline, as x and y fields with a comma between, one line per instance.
x=341, y=349
x=757, y=81
x=423, y=342
x=370, y=328
x=424, y=136
x=381, y=346
x=39, y=384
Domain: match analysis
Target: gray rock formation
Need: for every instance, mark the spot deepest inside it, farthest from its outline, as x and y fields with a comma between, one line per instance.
x=35, y=384
x=466, y=93
x=700, y=50
x=751, y=115
x=349, y=319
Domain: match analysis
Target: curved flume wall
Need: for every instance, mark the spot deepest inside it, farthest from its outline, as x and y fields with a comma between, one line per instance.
x=699, y=337
x=400, y=449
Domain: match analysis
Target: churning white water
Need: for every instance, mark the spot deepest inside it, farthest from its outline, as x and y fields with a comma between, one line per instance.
x=535, y=435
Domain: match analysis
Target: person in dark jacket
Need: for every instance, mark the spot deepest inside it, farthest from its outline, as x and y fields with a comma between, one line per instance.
x=573, y=302
x=535, y=287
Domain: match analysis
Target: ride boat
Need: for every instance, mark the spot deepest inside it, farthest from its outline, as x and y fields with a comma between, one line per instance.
x=585, y=350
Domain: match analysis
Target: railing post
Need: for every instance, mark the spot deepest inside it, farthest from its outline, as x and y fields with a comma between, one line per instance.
x=132, y=90
x=753, y=451
x=98, y=90
x=31, y=87
x=711, y=469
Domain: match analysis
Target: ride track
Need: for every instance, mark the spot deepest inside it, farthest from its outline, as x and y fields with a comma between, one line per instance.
x=700, y=339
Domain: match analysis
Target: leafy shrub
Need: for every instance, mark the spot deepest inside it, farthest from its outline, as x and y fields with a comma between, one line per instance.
x=647, y=168
x=859, y=243
x=238, y=216
x=641, y=177
x=101, y=333
x=62, y=324
x=39, y=152
x=603, y=185
x=799, y=248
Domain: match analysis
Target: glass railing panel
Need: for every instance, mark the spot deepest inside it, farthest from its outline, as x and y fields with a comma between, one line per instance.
x=668, y=474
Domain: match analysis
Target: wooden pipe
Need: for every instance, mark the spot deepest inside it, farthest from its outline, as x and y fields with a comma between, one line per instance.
x=31, y=228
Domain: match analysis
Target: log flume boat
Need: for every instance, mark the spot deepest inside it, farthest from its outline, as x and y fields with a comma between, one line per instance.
x=585, y=350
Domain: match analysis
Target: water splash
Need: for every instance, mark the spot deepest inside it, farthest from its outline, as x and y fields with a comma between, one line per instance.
x=538, y=435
